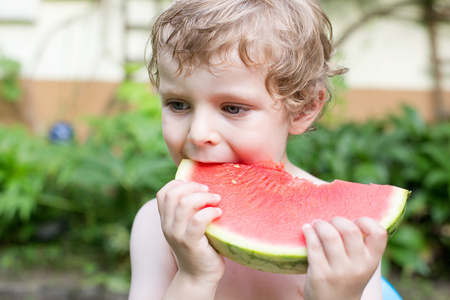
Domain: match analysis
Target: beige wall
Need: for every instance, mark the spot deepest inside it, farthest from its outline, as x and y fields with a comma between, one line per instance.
x=369, y=103
x=46, y=102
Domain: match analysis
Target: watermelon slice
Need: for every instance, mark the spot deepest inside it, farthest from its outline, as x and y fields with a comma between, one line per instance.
x=264, y=208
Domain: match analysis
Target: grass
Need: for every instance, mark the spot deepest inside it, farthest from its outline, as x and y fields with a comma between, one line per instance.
x=419, y=288
x=47, y=264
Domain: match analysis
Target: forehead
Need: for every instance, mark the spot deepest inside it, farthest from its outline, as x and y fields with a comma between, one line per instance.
x=217, y=64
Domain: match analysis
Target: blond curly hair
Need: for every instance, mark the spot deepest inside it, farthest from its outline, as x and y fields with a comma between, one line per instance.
x=292, y=39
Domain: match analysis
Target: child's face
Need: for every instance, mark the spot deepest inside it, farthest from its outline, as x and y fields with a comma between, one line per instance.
x=221, y=114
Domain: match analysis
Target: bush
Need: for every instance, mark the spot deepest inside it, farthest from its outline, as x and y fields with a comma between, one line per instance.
x=83, y=197
x=10, y=90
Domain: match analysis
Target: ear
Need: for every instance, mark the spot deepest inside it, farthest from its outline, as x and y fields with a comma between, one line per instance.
x=301, y=120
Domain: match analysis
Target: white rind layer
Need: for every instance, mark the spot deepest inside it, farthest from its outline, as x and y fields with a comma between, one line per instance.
x=398, y=199
x=185, y=169
x=251, y=245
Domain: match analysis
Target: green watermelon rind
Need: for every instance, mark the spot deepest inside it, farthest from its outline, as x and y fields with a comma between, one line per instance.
x=398, y=197
x=257, y=255
x=396, y=213
x=279, y=259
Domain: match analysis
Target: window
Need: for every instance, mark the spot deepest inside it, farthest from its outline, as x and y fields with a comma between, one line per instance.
x=18, y=10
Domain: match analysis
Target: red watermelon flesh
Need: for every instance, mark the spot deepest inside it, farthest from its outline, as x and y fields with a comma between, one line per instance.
x=264, y=208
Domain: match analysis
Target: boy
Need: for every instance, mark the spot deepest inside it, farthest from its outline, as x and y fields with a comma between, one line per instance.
x=231, y=74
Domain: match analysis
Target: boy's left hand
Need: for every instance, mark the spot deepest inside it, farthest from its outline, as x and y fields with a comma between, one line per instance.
x=342, y=256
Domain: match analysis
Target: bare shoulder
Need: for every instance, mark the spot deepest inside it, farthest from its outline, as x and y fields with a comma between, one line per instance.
x=152, y=263
x=148, y=214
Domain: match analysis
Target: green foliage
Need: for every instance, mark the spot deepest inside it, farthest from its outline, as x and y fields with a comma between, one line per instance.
x=19, y=256
x=83, y=197
x=338, y=87
x=10, y=90
x=90, y=192
x=402, y=151
x=21, y=179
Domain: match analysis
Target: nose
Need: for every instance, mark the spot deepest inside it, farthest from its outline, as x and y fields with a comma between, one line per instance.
x=203, y=129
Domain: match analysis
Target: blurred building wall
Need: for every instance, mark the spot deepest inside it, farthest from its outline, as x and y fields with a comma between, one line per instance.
x=73, y=54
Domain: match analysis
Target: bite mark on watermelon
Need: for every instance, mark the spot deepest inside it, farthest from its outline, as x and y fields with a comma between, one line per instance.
x=264, y=208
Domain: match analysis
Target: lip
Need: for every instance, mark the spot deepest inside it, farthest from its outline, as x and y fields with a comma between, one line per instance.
x=207, y=156
x=205, y=159
x=210, y=161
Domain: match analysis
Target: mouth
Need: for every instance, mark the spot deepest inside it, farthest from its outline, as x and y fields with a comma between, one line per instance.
x=207, y=161
x=210, y=157
x=212, y=161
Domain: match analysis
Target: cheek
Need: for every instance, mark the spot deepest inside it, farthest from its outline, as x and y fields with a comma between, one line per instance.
x=261, y=145
x=174, y=147
x=169, y=124
x=172, y=137
x=172, y=134
x=166, y=133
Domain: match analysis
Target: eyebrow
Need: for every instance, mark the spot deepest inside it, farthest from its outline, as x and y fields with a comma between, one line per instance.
x=171, y=91
x=240, y=94
x=231, y=96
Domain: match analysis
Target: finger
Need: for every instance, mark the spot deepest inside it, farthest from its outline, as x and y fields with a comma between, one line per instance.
x=376, y=235
x=316, y=254
x=189, y=205
x=331, y=240
x=352, y=236
x=160, y=196
x=173, y=196
x=200, y=220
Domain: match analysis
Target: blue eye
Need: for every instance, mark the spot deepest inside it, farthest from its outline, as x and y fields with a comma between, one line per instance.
x=178, y=105
x=232, y=109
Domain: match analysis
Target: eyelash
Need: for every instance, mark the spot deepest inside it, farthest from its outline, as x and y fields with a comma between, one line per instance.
x=241, y=109
x=172, y=104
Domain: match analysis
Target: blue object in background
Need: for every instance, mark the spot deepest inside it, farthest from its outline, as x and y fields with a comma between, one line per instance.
x=389, y=292
x=61, y=132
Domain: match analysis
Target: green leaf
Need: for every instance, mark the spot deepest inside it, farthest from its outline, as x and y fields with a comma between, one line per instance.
x=437, y=178
x=410, y=237
x=417, y=205
x=439, y=154
x=409, y=260
x=10, y=89
x=440, y=210
x=371, y=173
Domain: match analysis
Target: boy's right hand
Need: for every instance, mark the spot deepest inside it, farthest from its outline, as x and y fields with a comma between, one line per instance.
x=343, y=256
x=184, y=218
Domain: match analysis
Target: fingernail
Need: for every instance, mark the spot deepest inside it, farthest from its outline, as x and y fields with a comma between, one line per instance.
x=204, y=187
x=216, y=196
x=315, y=221
x=306, y=226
